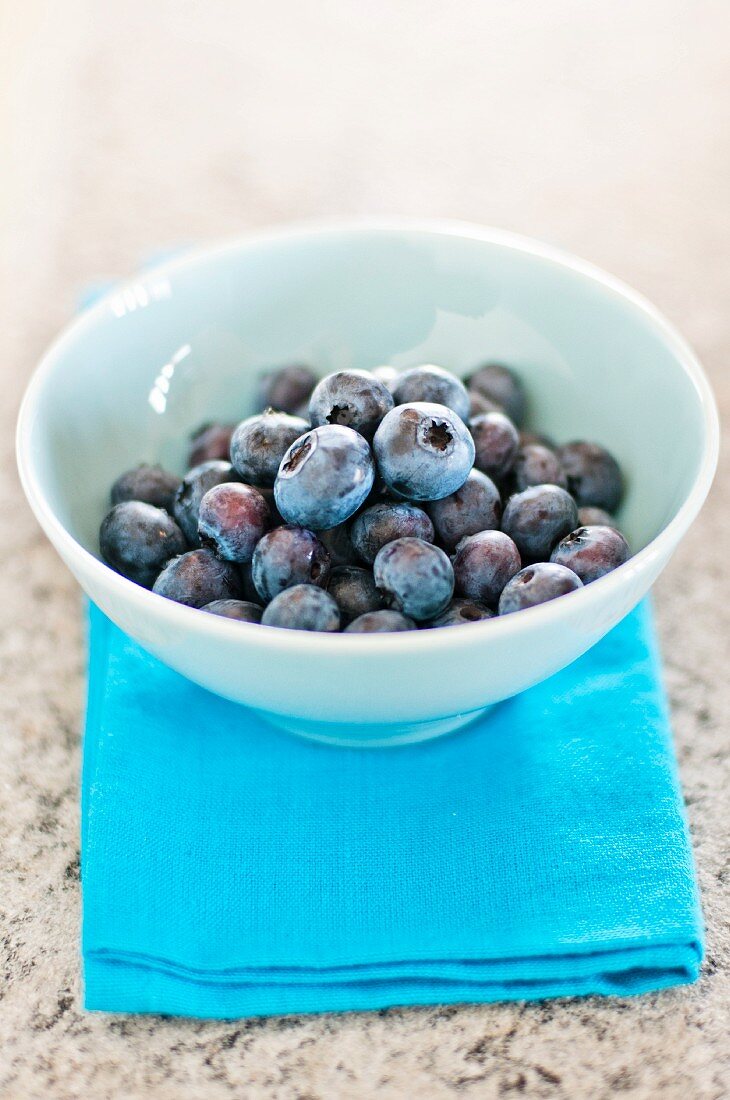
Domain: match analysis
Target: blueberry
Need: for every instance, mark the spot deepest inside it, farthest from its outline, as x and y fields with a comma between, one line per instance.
x=150, y=484
x=303, y=607
x=260, y=442
x=501, y=385
x=537, y=584
x=286, y=388
x=354, y=590
x=483, y=564
x=415, y=576
x=288, y=556
x=324, y=477
x=462, y=611
x=537, y=465
x=424, y=451
x=594, y=476
x=479, y=404
x=136, y=539
x=354, y=398
x=537, y=518
x=243, y=610
x=476, y=506
x=496, y=443
x=338, y=544
x=542, y=440
x=193, y=488
x=385, y=522
x=197, y=579
x=232, y=519
x=591, y=552
x=595, y=517
x=210, y=443
x=380, y=622
x=433, y=385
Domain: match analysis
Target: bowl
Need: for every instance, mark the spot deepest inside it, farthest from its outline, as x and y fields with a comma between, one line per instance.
x=131, y=378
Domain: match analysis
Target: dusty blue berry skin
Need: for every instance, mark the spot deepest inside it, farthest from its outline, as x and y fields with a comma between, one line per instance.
x=385, y=522
x=476, y=506
x=483, y=564
x=150, y=484
x=232, y=519
x=537, y=465
x=502, y=386
x=354, y=590
x=259, y=444
x=303, y=607
x=496, y=443
x=595, y=517
x=424, y=451
x=244, y=611
x=197, y=578
x=537, y=584
x=591, y=552
x=210, y=443
x=324, y=477
x=286, y=389
x=461, y=611
x=193, y=488
x=594, y=475
x=380, y=622
x=354, y=398
x=415, y=577
x=538, y=518
x=434, y=385
x=137, y=539
x=288, y=556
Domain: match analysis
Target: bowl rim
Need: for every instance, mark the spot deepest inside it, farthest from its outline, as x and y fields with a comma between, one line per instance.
x=404, y=642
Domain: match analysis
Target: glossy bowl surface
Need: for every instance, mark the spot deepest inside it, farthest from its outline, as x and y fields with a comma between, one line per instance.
x=130, y=379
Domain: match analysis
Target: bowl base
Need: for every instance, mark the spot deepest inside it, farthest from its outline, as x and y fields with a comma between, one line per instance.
x=376, y=735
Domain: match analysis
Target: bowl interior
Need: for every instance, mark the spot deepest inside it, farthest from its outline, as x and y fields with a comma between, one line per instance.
x=185, y=344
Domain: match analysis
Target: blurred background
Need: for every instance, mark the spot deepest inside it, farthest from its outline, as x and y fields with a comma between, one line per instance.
x=601, y=126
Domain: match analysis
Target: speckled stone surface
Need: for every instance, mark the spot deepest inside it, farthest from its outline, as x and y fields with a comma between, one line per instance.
x=600, y=127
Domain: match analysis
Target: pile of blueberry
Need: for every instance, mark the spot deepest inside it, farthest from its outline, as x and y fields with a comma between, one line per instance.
x=371, y=501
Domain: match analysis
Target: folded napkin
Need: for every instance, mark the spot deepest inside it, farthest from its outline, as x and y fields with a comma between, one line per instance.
x=231, y=870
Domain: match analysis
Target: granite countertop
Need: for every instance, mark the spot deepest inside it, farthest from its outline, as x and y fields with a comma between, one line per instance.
x=599, y=127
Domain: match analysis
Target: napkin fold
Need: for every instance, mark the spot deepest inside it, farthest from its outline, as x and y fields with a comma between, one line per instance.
x=230, y=869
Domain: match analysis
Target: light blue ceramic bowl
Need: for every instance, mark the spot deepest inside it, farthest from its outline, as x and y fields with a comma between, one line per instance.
x=130, y=379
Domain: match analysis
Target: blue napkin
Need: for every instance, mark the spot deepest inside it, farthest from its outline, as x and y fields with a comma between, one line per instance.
x=232, y=870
